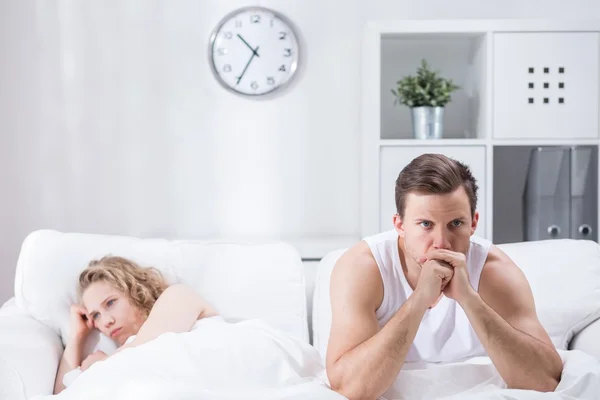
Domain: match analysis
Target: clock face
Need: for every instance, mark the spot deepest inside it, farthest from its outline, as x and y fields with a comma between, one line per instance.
x=254, y=51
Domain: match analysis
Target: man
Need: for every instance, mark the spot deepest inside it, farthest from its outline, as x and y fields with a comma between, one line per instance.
x=430, y=290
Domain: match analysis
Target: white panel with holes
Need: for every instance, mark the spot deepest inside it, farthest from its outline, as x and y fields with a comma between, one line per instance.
x=545, y=85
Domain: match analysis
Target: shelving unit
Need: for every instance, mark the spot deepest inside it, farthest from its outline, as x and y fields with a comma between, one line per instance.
x=523, y=84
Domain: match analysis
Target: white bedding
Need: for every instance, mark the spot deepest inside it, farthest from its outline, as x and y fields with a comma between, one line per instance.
x=478, y=379
x=250, y=360
x=216, y=360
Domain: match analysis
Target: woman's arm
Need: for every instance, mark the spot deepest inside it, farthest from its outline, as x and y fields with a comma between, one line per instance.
x=70, y=360
x=79, y=327
x=176, y=310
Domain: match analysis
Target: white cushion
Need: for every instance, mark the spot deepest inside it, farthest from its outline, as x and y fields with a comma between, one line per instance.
x=31, y=350
x=564, y=275
x=587, y=340
x=321, y=313
x=243, y=281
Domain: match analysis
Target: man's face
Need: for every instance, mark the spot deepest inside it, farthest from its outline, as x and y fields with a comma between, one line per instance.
x=436, y=221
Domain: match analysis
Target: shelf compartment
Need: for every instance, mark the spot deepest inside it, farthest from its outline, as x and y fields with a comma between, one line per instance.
x=461, y=57
x=545, y=192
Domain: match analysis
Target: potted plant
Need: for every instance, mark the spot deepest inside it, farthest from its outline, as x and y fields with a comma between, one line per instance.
x=426, y=94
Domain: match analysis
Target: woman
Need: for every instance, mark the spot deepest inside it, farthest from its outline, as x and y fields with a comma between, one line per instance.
x=123, y=300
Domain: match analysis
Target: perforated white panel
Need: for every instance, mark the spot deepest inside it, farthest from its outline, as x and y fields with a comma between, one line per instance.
x=545, y=85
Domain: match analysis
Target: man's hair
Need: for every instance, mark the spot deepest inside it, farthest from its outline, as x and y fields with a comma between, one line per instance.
x=142, y=285
x=434, y=174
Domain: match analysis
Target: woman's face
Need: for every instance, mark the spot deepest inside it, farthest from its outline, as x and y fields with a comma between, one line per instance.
x=112, y=311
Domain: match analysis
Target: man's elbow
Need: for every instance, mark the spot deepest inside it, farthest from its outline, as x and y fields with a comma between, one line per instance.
x=550, y=383
x=543, y=380
x=352, y=390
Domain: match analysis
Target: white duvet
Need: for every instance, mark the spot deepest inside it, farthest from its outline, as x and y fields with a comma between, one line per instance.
x=216, y=360
x=478, y=379
x=249, y=360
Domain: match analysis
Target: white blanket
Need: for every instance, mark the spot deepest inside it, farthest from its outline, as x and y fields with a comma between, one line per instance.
x=216, y=360
x=478, y=379
x=251, y=361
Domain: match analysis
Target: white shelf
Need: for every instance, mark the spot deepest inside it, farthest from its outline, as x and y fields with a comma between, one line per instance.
x=317, y=247
x=470, y=27
x=433, y=142
x=545, y=142
x=487, y=142
x=309, y=247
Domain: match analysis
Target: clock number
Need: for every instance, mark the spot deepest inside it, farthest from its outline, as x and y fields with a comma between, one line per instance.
x=227, y=35
x=282, y=35
x=288, y=52
x=222, y=51
x=238, y=23
x=255, y=19
x=282, y=68
x=270, y=80
x=226, y=68
x=254, y=85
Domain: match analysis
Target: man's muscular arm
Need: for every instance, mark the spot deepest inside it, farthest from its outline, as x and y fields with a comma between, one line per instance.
x=363, y=361
x=503, y=315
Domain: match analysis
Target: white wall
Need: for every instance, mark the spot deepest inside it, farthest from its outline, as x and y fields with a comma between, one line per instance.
x=111, y=121
x=19, y=122
x=127, y=131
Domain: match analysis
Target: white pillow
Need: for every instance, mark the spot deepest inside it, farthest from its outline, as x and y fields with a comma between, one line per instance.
x=243, y=281
x=321, y=302
x=12, y=385
x=564, y=275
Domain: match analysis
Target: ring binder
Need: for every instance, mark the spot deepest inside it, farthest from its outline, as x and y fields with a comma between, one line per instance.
x=560, y=196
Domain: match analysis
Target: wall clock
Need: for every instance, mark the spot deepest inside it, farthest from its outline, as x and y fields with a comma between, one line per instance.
x=254, y=51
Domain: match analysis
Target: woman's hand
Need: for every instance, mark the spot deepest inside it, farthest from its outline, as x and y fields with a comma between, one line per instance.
x=93, y=358
x=80, y=324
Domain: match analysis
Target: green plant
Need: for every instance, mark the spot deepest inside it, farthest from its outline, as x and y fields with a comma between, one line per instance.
x=426, y=89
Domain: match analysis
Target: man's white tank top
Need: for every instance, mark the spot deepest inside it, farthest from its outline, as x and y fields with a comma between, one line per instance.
x=445, y=334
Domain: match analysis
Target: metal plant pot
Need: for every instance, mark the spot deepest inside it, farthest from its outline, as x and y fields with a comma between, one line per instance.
x=427, y=122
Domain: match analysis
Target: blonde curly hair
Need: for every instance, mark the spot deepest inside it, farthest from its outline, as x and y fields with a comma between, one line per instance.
x=142, y=285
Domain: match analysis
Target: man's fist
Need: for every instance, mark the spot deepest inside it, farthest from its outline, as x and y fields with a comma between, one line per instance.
x=459, y=286
x=435, y=276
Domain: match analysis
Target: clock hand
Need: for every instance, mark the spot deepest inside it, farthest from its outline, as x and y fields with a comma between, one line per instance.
x=250, y=47
x=254, y=53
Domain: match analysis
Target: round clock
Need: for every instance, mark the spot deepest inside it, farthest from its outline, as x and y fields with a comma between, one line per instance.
x=254, y=51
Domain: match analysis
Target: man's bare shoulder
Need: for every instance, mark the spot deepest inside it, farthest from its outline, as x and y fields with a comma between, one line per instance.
x=504, y=287
x=357, y=261
x=500, y=274
x=357, y=275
